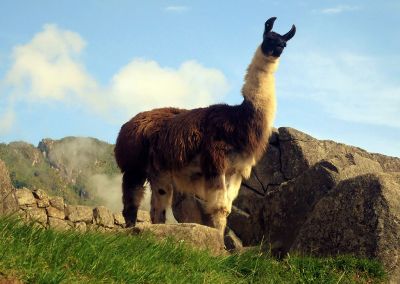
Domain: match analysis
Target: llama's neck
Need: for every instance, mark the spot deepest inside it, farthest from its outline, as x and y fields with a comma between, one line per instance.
x=259, y=86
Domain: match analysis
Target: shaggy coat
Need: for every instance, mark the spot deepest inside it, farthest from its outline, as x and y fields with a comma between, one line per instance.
x=204, y=151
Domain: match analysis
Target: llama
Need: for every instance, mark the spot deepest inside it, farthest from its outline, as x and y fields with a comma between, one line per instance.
x=205, y=151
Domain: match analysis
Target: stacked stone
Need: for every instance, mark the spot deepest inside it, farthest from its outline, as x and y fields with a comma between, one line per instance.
x=52, y=212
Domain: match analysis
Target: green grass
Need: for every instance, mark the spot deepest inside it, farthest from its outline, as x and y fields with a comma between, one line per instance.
x=36, y=255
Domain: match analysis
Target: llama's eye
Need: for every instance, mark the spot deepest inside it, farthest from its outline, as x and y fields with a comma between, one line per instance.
x=161, y=191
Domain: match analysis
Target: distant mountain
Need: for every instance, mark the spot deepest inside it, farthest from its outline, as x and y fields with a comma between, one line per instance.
x=80, y=169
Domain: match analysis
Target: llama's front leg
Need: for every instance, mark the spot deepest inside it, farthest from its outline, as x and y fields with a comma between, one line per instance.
x=161, y=199
x=132, y=195
x=217, y=203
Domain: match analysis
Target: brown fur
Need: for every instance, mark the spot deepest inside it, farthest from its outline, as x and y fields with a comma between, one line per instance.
x=212, y=132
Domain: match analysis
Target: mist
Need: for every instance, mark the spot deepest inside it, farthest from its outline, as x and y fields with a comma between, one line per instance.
x=110, y=191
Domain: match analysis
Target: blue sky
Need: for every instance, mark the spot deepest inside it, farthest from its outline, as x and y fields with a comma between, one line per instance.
x=83, y=68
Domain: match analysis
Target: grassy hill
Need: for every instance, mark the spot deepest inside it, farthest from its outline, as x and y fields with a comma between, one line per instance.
x=69, y=167
x=35, y=255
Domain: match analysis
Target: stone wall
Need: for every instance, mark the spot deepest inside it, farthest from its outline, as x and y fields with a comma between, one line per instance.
x=52, y=212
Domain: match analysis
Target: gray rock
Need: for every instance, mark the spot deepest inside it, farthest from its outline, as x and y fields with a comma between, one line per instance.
x=196, y=235
x=57, y=202
x=79, y=213
x=119, y=219
x=142, y=216
x=8, y=201
x=42, y=199
x=266, y=172
x=103, y=217
x=361, y=216
x=300, y=151
x=37, y=215
x=58, y=224
x=188, y=209
x=80, y=226
x=55, y=213
x=246, y=217
x=25, y=197
x=310, y=168
x=287, y=208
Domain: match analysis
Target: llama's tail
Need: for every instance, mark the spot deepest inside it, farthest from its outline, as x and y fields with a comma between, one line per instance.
x=132, y=148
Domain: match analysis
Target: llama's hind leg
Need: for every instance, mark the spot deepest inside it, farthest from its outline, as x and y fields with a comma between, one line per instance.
x=132, y=195
x=161, y=200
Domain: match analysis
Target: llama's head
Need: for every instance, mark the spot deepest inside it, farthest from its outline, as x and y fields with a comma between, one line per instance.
x=273, y=43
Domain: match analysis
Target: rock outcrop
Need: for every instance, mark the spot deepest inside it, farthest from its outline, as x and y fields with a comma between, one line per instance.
x=8, y=202
x=361, y=216
x=319, y=197
x=196, y=235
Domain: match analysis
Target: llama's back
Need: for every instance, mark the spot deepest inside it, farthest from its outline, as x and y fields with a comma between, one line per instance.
x=132, y=145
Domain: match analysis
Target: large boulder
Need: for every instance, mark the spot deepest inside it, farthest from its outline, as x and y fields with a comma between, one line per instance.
x=25, y=198
x=246, y=217
x=103, y=217
x=42, y=199
x=79, y=213
x=189, y=209
x=8, y=201
x=361, y=216
x=296, y=171
x=267, y=172
x=300, y=151
x=288, y=207
x=195, y=235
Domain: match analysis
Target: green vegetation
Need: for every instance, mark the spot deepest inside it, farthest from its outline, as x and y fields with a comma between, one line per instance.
x=63, y=167
x=28, y=168
x=36, y=255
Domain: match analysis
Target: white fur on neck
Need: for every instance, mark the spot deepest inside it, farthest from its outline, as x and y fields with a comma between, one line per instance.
x=259, y=85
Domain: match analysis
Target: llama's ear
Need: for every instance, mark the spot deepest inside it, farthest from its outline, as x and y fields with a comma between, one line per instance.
x=269, y=24
x=290, y=33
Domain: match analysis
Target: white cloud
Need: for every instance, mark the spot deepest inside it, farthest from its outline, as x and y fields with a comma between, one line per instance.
x=177, y=9
x=338, y=9
x=48, y=68
x=145, y=84
x=350, y=87
x=6, y=121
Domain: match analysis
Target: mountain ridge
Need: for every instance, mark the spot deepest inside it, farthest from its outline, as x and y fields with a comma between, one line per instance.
x=64, y=167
